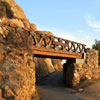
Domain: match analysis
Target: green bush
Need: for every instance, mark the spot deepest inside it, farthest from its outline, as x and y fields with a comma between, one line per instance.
x=96, y=46
x=5, y=10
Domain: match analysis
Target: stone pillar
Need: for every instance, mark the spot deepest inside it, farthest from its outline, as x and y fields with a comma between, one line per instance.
x=67, y=74
x=68, y=71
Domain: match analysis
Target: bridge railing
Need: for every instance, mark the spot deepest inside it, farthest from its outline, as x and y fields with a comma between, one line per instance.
x=42, y=40
x=52, y=43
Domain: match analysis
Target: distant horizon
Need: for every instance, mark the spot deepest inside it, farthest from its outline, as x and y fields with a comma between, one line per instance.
x=73, y=20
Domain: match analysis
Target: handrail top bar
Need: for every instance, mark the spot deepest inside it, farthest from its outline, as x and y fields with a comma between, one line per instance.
x=61, y=38
x=70, y=41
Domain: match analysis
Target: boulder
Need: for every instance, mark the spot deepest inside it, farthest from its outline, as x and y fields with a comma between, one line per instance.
x=34, y=27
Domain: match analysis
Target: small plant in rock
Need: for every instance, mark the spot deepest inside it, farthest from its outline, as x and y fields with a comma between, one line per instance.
x=96, y=46
x=30, y=52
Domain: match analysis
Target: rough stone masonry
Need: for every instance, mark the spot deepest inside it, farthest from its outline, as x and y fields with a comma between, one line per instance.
x=17, y=69
x=74, y=73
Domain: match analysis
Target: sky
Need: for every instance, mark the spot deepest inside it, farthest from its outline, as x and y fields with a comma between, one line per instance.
x=77, y=20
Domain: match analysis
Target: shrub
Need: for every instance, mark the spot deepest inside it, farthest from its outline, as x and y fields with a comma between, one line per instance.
x=96, y=46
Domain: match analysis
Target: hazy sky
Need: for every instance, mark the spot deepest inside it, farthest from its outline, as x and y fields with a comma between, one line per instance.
x=77, y=20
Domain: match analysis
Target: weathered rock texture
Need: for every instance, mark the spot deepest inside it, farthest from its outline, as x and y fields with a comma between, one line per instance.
x=92, y=58
x=17, y=70
x=43, y=67
x=57, y=64
x=18, y=12
x=76, y=73
x=18, y=18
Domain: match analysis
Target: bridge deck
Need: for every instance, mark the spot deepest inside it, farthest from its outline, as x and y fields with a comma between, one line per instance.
x=56, y=54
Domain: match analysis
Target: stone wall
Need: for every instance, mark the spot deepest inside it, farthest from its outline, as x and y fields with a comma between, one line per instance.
x=92, y=58
x=75, y=73
x=17, y=70
x=17, y=77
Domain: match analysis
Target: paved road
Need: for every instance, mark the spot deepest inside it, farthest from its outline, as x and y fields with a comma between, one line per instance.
x=51, y=88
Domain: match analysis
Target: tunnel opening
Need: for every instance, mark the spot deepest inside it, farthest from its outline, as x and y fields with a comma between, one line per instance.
x=46, y=66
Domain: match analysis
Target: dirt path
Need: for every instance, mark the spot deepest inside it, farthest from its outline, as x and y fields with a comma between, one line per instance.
x=51, y=88
x=91, y=92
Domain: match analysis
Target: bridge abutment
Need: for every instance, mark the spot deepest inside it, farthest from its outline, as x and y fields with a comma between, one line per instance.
x=76, y=71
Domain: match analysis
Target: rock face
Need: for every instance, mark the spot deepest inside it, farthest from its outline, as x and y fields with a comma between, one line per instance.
x=57, y=64
x=43, y=67
x=76, y=73
x=34, y=27
x=18, y=18
x=18, y=12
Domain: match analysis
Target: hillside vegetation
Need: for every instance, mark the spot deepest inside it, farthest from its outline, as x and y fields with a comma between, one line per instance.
x=96, y=46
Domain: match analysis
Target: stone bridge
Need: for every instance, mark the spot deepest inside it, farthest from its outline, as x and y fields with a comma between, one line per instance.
x=17, y=66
